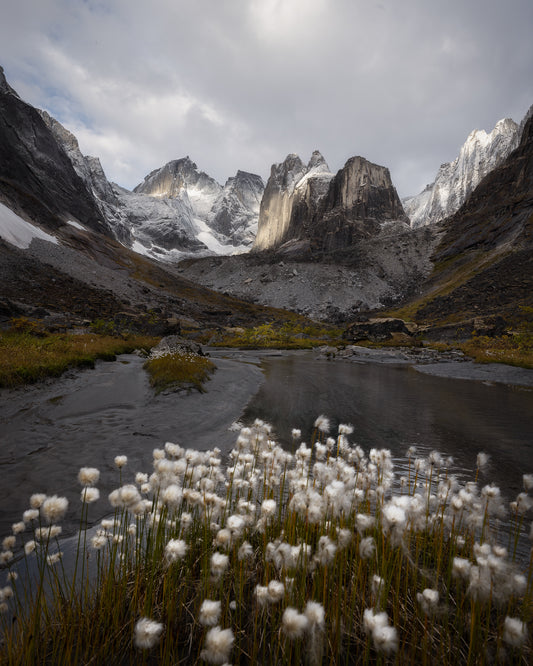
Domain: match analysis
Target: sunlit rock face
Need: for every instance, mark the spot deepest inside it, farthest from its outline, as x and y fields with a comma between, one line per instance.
x=308, y=203
x=292, y=195
x=479, y=155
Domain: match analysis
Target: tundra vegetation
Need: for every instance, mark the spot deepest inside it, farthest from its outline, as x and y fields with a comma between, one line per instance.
x=322, y=554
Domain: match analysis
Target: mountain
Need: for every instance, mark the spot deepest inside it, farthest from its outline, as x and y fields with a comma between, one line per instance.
x=483, y=264
x=60, y=226
x=455, y=180
x=225, y=218
x=37, y=178
x=311, y=208
x=291, y=198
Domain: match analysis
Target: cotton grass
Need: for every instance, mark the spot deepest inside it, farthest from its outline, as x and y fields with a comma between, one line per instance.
x=317, y=556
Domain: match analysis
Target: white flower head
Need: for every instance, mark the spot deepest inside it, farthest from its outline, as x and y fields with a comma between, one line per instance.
x=210, y=612
x=175, y=550
x=88, y=476
x=294, y=623
x=315, y=614
x=120, y=461
x=322, y=423
x=54, y=508
x=90, y=494
x=218, y=645
x=514, y=631
x=147, y=633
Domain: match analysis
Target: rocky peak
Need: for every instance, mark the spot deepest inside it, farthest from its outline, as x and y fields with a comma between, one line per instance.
x=173, y=177
x=480, y=154
x=4, y=85
x=317, y=162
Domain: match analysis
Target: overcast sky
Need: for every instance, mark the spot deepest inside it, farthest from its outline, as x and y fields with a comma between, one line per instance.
x=239, y=84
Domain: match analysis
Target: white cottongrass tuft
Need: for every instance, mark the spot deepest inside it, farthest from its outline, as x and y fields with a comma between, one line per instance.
x=268, y=507
x=315, y=614
x=428, y=600
x=245, y=551
x=120, y=461
x=219, y=564
x=90, y=494
x=218, y=645
x=210, y=612
x=367, y=548
x=147, y=633
x=294, y=623
x=88, y=476
x=384, y=636
x=175, y=550
x=18, y=527
x=322, y=423
x=276, y=591
x=54, y=508
x=482, y=460
x=514, y=631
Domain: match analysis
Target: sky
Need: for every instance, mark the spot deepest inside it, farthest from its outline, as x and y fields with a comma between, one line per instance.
x=240, y=84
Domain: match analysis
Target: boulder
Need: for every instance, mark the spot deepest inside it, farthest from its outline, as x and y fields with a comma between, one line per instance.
x=175, y=344
x=375, y=330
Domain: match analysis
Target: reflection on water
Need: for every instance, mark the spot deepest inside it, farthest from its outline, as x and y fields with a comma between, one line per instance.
x=396, y=406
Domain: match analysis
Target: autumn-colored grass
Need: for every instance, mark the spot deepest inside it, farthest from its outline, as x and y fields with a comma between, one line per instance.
x=27, y=358
x=173, y=371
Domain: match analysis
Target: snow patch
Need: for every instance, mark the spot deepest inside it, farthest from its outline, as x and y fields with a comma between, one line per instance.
x=77, y=225
x=18, y=232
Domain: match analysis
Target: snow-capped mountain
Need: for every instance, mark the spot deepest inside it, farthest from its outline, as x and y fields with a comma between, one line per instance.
x=224, y=218
x=479, y=155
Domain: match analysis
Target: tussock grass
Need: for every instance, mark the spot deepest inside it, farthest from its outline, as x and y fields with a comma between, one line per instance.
x=514, y=350
x=26, y=358
x=319, y=556
x=183, y=370
x=286, y=335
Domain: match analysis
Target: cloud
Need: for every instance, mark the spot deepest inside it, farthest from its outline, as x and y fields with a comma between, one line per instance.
x=242, y=83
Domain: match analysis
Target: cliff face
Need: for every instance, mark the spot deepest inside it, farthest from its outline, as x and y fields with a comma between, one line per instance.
x=486, y=250
x=455, y=180
x=37, y=178
x=328, y=212
x=359, y=200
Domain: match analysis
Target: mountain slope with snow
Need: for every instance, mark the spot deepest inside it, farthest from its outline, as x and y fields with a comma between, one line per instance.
x=480, y=154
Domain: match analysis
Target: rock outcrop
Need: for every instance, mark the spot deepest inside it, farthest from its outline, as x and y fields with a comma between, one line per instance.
x=308, y=203
x=37, y=178
x=480, y=154
x=360, y=199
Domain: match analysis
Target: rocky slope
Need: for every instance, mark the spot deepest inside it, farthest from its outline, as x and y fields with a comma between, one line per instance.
x=479, y=155
x=37, y=178
x=484, y=260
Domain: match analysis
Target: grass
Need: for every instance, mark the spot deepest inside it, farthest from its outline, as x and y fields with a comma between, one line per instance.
x=27, y=357
x=184, y=370
x=277, y=335
x=319, y=556
x=514, y=350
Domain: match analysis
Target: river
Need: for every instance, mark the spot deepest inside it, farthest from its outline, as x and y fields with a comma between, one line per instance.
x=49, y=431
